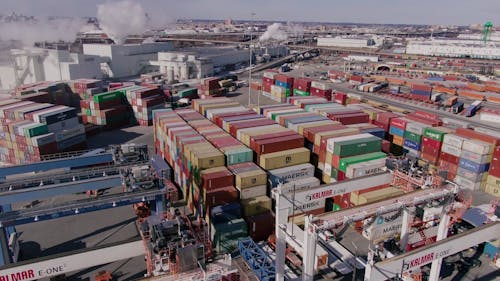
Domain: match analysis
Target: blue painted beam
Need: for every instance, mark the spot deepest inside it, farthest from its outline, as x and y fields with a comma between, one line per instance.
x=31, y=194
x=71, y=162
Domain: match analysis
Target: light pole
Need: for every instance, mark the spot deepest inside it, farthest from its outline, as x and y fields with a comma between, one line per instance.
x=250, y=66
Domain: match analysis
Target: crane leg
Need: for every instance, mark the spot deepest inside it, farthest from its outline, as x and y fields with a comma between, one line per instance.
x=281, y=220
x=442, y=234
x=405, y=229
x=310, y=241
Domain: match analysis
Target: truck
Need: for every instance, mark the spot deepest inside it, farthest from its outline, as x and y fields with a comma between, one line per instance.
x=457, y=107
x=473, y=108
x=451, y=101
x=436, y=97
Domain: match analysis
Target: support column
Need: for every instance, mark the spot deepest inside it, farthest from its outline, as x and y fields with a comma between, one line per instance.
x=4, y=247
x=160, y=204
x=442, y=234
x=369, y=263
x=281, y=220
x=309, y=248
x=405, y=229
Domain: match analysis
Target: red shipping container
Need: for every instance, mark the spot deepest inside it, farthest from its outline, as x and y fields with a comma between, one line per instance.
x=285, y=79
x=217, y=179
x=386, y=146
x=475, y=135
x=220, y=196
x=449, y=158
x=431, y=143
x=249, y=124
x=270, y=136
x=310, y=133
x=398, y=123
x=495, y=171
x=348, y=119
x=430, y=150
x=426, y=115
x=260, y=226
x=278, y=144
x=419, y=119
x=432, y=158
x=385, y=117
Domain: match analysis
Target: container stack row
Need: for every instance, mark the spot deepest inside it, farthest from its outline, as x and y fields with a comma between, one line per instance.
x=210, y=87
x=144, y=100
x=31, y=130
x=109, y=109
x=282, y=88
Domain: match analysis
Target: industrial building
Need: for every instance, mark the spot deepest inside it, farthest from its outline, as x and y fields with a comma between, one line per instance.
x=358, y=41
x=98, y=61
x=454, y=48
x=197, y=63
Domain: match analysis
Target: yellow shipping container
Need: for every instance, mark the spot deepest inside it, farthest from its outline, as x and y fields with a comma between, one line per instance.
x=314, y=124
x=206, y=107
x=375, y=195
x=256, y=206
x=285, y=158
x=334, y=134
x=492, y=189
x=251, y=178
x=206, y=160
x=397, y=140
x=493, y=181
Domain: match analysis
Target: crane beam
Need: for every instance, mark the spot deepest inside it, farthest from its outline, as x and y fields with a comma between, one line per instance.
x=393, y=267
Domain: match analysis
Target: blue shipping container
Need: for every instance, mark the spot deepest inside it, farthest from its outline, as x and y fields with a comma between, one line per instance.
x=282, y=84
x=435, y=78
x=396, y=131
x=307, y=119
x=378, y=132
x=421, y=92
x=472, y=166
x=411, y=144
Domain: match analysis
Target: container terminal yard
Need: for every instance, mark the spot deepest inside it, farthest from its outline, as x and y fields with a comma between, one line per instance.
x=245, y=150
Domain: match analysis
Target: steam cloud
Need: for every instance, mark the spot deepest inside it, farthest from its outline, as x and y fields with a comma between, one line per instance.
x=275, y=31
x=29, y=32
x=119, y=19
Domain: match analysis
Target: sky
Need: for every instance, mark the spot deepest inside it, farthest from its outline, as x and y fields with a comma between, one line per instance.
x=446, y=12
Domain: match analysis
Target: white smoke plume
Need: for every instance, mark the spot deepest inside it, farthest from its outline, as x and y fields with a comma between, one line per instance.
x=275, y=31
x=119, y=19
x=295, y=29
x=42, y=29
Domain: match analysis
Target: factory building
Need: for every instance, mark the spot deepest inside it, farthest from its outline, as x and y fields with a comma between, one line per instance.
x=351, y=41
x=455, y=48
x=35, y=64
x=197, y=63
x=126, y=60
x=97, y=61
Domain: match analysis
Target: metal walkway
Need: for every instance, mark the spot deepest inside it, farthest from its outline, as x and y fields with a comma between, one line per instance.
x=77, y=207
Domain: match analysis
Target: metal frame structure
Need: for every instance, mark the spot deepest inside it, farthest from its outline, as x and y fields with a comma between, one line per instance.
x=314, y=225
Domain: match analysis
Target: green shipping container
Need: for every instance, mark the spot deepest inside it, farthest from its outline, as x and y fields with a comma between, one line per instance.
x=274, y=115
x=187, y=92
x=36, y=130
x=238, y=155
x=344, y=162
x=357, y=146
x=436, y=133
x=413, y=137
x=297, y=92
x=335, y=173
x=109, y=96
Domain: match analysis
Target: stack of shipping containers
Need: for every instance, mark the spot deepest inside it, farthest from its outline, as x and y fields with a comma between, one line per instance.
x=108, y=109
x=321, y=89
x=302, y=87
x=31, y=130
x=144, y=100
x=209, y=87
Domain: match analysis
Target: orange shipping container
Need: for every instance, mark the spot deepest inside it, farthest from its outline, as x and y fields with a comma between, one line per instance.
x=469, y=94
x=445, y=90
x=476, y=87
x=493, y=99
x=493, y=88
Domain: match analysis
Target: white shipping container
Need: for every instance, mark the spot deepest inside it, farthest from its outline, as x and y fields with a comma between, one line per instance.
x=366, y=168
x=252, y=192
x=239, y=133
x=413, y=152
x=378, y=232
x=307, y=206
x=476, y=158
x=64, y=125
x=472, y=176
x=468, y=184
x=269, y=114
x=292, y=173
x=277, y=89
x=477, y=146
x=269, y=74
x=454, y=140
x=416, y=128
x=330, y=144
x=320, y=85
x=487, y=131
x=452, y=150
